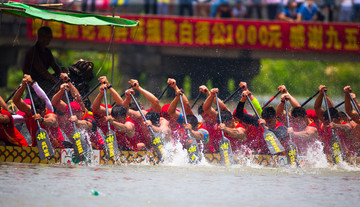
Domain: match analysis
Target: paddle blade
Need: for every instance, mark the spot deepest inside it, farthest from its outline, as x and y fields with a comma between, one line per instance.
x=291, y=153
x=80, y=146
x=226, y=155
x=111, y=145
x=43, y=144
x=272, y=142
x=336, y=148
x=157, y=142
x=193, y=150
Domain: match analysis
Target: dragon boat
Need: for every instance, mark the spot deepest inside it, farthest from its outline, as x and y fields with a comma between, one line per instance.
x=98, y=157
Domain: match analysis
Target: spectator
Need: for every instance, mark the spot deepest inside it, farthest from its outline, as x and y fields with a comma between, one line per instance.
x=329, y=9
x=186, y=5
x=307, y=11
x=224, y=11
x=273, y=7
x=290, y=12
x=202, y=8
x=124, y=4
x=345, y=11
x=84, y=5
x=163, y=7
x=257, y=5
x=148, y=4
x=239, y=10
x=214, y=6
x=356, y=11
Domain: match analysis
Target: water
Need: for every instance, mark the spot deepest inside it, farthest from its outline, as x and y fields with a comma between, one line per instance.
x=177, y=184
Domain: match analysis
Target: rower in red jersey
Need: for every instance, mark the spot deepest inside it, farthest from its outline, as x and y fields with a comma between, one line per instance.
x=233, y=130
x=9, y=135
x=142, y=131
x=197, y=129
x=355, y=123
x=341, y=128
x=47, y=118
x=120, y=122
x=81, y=116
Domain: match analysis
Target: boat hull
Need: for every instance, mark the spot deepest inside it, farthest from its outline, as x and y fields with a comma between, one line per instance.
x=65, y=156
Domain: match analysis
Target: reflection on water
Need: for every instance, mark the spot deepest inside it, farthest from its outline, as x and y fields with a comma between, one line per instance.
x=182, y=185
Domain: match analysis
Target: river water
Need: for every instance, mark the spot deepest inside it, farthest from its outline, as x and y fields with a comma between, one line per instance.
x=178, y=184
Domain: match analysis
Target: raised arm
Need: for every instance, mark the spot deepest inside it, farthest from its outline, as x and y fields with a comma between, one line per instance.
x=3, y=104
x=56, y=100
x=155, y=103
x=208, y=102
x=187, y=106
x=172, y=108
x=97, y=108
x=19, y=103
x=115, y=95
x=348, y=106
x=318, y=102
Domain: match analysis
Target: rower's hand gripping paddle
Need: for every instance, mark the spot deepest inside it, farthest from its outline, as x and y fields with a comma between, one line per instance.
x=79, y=144
x=271, y=140
x=226, y=154
x=110, y=140
x=335, y=141
x=157, y=141
x=291, y=150
x=191, y=143
x=42, y=137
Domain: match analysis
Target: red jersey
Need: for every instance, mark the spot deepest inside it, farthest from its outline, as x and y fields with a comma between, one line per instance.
x=346, y=144
x=125, y=142
x=236, y=143
x=54, y=133
x=301, y=144
x=9, y=133
x=95, y=137
x=253, y=138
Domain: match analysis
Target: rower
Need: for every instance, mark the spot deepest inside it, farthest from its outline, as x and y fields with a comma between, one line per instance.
x=81, y=117
x=233, y=130
x=341, y=128
x=48, y=120
x=9, y=135
x=196, y=128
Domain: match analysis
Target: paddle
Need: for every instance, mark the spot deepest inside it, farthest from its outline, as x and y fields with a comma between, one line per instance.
x=13, y=93
x=156, y=139
x=353, y=102
x=162, y=93
x=337, y=106
x=191, y=143
x=226, y=154
x=79, y=143
x=42, y=138
x=56, y=85
x=92, y=90
x=196, y=99
x=111, y=141
x=335, y=141
x=271, y=140
x=291, y=150
x=231, y=95
x=311, y=97
x=269, y=101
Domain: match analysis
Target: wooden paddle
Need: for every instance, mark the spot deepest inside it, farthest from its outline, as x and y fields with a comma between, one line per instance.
x=92, y=90
x=42, y=137
x=337, y=106
x=162, y=93
x=269, y=101
x=271, y=140
x=196, y=99
x=311, y=97
x=79, y=144
x=226, y=154
x=56, y=85
x=191, y=143
x=13, y=93
x=291, y=150
x=335, y=141
x=111, y=141
x=156, y=139
x=231, y=95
